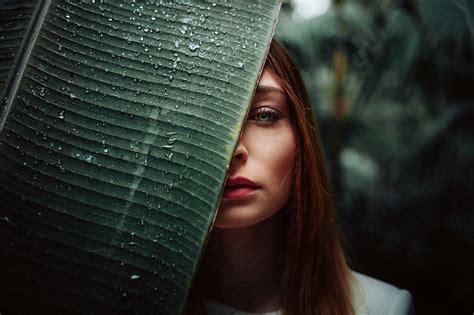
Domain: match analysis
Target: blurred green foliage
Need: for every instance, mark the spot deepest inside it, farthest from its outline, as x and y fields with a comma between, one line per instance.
x=392, y=86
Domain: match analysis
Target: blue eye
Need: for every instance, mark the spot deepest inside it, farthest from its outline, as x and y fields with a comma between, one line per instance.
x=265, y=115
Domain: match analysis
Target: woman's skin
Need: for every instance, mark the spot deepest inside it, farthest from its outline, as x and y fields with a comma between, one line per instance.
x=264, y=156
x=242, y=264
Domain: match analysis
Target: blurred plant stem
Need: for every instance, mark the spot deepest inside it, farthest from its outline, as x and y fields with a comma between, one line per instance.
x=340, y=107
x=340, y=102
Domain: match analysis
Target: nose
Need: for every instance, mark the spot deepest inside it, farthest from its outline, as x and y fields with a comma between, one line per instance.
x=241, y=153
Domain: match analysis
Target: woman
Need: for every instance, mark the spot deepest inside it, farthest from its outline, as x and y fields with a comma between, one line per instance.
x=275, y=247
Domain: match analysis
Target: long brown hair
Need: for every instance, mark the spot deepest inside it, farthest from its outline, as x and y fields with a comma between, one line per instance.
x=316, y=278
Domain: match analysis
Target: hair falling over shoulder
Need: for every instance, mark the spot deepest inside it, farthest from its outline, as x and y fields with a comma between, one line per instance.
x=316, y=277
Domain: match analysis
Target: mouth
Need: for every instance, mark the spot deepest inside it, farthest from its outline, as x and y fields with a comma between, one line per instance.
x=239, y=187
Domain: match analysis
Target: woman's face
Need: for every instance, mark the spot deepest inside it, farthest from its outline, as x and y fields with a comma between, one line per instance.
x=261, y=171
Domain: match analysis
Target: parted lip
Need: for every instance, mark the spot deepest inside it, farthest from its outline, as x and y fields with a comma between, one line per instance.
x=239, y=181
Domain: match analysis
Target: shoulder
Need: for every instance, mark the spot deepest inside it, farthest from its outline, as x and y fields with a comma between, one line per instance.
x=372, y=296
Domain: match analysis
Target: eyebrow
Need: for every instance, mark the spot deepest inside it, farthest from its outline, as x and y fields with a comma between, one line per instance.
x=269, y=89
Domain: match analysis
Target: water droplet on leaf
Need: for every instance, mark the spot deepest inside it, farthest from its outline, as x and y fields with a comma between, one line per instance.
x=193, y=46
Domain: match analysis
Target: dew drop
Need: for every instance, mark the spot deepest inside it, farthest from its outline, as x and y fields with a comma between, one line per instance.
x=193, y=46
x=135, y=277
x=169, y=156
x=89, y=159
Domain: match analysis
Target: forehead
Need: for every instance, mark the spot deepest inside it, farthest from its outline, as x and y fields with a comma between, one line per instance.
x=268, y=79
x=269, y=86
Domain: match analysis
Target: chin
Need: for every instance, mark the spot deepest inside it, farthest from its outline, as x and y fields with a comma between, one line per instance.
x=241, y=219
x=234, y=223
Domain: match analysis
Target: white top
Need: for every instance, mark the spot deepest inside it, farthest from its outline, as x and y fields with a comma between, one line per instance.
x=369, y=297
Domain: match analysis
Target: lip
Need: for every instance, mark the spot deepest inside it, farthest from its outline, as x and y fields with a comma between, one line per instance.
x=239, y=187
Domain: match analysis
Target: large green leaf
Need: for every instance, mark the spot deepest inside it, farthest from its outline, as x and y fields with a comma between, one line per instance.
x=118, y=123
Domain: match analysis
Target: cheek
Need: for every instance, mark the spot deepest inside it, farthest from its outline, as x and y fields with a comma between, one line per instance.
x=282, y=165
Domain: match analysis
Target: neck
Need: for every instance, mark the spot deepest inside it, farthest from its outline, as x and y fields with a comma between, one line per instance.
x=242, y=266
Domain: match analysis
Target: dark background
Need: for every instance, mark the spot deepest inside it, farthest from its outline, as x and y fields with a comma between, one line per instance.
x=392, y=83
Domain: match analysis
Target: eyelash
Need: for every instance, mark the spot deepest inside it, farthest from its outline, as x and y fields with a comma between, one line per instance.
x=274, y=114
